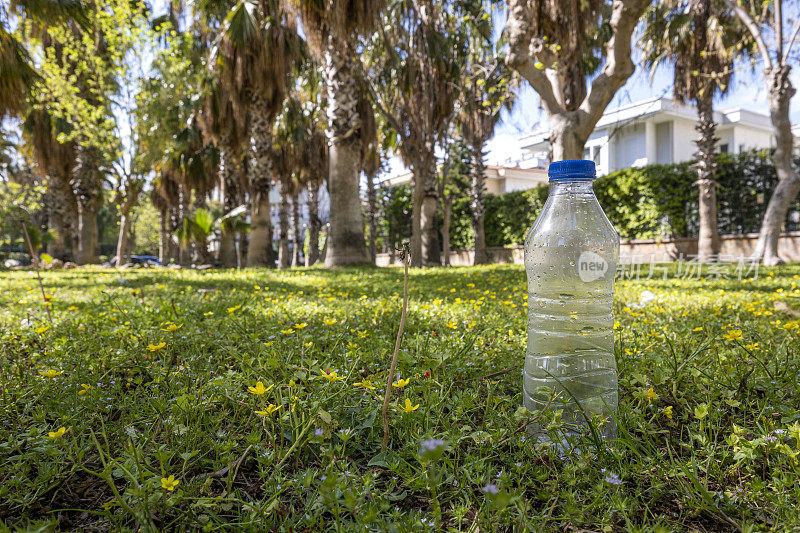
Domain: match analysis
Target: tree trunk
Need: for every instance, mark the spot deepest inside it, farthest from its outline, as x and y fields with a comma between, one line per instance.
x=477, y=170
x=447, y=212
x=371, y=206
x=314, y=223
x=417, y=196
x=297, y=238
x=123, y=241
x=162, y=236
x=708, y=234
x=88, y=193
x=573, y=110
x=779, y=99
x=229, y=189
x=284, y=259
x=345, y=241
x=565, y=140
x=259, y=249
x=424, y=228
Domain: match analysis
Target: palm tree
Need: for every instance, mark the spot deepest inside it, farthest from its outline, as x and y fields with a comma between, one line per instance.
x=258, y=47
x=330, y=29
x=414, y=69
x=485, y=91
x=55, y=161
x=701, y=40
x=17, y=71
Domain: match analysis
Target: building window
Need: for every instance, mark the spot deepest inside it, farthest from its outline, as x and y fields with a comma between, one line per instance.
x=723, y=148
x=586, y=153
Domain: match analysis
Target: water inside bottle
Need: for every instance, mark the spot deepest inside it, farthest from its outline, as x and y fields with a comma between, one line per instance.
x=571, y=255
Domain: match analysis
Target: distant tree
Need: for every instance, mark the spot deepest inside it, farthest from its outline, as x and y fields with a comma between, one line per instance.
x=413, y=72
x=763, y=24
x=331, y=30
x=699, y=38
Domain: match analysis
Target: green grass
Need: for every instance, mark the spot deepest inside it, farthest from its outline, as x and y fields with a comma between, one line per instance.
x=713, y=446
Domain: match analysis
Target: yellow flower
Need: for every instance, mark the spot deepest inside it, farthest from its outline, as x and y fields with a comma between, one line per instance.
x=268, y=344
x=301, y=325
x=287, y=331
x=733, y=335
x=367, y=384
x=651, y=395
x=332, y=376
x=172, y=327
x=72, y=308
x=308, y=344
x=208, y=314
x=51, y=373
x=57, y=434
x=42, y=329
x=453, y=324
x=156, y=347
x=616, y=324
x=400, y=383
x=791, y=325
x=169, y=483
x=234, y=308
x=667, y=411
x=86, y=388
x=698, y=328
x=259, y=389
x=408, y=407
x=754, y=346
x=271, y=408
x=329, y=321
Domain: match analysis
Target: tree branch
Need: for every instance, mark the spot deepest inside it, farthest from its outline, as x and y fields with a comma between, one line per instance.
x=755, y=31
x=521, y=59
x=618, y=67
x=791, y=42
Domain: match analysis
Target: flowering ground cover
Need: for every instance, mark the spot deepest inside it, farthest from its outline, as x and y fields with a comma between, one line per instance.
x=230, y=400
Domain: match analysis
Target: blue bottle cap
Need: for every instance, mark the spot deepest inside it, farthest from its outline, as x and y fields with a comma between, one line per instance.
x=571, y=169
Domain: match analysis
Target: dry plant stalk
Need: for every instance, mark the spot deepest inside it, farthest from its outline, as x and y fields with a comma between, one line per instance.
x=38, y=276
x=393, y=366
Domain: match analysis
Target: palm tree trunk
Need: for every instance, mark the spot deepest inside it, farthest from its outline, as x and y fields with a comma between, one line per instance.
x=297, y=239
x=477, y=170
x=345, y=241
x=314, y=223
x=708, y=235
x=779, y=99
x=446, y=216
x=227, y=244
x=417, y=197
x=283, y=216
x=162, y=236
x=89, y=195
x=429, y=229
x=372, y=207
x=259, y=250
x=123, y=242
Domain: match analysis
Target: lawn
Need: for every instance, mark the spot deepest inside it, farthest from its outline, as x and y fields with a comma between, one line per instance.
x=153, y=376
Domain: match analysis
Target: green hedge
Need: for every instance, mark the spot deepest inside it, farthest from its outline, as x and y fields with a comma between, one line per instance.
x=650, y=202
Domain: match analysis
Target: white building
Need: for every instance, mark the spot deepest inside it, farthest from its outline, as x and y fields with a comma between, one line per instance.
x=656, y=130
x=498, y=179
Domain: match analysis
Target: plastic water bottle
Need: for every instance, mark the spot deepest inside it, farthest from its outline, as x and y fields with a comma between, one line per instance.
x=571, y=255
